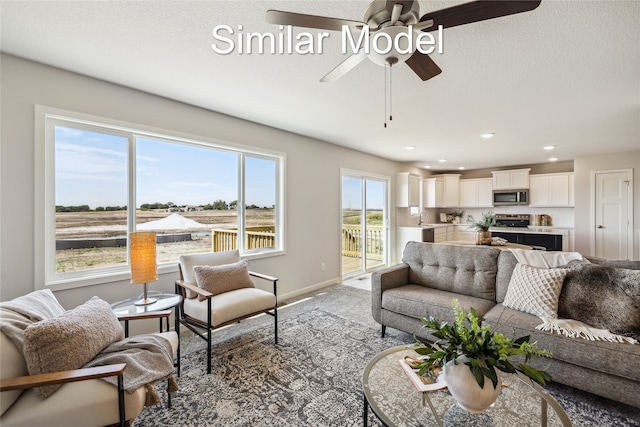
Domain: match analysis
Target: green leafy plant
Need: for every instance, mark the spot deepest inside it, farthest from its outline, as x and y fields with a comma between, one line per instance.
x=484, y=349
x=488, y=220
x=457, y=214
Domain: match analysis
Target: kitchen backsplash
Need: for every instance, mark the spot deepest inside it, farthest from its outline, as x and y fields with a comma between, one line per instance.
x=561, y=217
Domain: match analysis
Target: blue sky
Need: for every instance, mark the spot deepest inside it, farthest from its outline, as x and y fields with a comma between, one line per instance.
x=352, y=193
x=91, y=169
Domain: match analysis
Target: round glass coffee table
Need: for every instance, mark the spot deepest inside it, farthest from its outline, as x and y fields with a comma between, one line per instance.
x=397, y=402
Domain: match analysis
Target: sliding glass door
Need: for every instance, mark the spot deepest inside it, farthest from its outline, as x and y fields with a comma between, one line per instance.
x=364, y=223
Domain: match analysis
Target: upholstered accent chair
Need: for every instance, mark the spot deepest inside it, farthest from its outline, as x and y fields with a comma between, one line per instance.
x=217, y=291
x=83, y=399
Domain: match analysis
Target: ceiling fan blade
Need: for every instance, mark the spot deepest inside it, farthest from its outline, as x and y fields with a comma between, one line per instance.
x=344, y=67
x=423, y=66
x=478, y=11
x=423, y=25
x=395, y=14
x=311, y=21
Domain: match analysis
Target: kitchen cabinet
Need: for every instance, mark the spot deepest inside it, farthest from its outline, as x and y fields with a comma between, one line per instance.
x=441, y=191
x=465, y=233
x=444, y=234
x=407, y=190
x=511, y=179
x=551, y=190
x=476, y=193
x=411, y=234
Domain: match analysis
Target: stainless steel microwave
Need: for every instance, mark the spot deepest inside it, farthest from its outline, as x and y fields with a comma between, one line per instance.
x=510, y=197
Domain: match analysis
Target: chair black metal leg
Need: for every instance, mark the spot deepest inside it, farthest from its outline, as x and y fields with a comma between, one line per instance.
x=177, y=328
x=275, y=321
x=209, y=336
x=384, y=329
x=121, y=399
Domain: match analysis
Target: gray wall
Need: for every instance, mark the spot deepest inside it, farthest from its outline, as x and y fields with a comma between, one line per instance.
x=312, y=176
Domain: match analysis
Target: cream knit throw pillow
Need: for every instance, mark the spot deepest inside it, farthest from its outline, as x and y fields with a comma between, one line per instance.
x=535, y=290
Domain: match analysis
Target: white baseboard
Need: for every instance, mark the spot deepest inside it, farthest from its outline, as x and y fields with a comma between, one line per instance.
x=317, y=286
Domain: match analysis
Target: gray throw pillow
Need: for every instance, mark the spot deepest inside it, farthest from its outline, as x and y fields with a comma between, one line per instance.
x=219, y=279
x=602, y=297
x=70, y=340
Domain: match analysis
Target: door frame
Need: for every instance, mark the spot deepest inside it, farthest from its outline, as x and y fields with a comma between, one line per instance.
x=630, y=213
x=387, y=221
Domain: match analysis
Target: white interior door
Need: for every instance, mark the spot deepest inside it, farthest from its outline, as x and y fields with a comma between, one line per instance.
x=613, y=214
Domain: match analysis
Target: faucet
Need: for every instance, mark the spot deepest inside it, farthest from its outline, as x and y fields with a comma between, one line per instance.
x=420, y=216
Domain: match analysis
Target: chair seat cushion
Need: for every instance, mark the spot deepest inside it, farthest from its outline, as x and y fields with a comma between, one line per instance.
x=84, y=403
x=231, y=305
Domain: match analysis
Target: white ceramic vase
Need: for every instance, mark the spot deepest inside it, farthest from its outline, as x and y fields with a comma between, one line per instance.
x=465, y=389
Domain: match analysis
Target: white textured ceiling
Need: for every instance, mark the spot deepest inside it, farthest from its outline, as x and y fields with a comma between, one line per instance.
x=565, y=74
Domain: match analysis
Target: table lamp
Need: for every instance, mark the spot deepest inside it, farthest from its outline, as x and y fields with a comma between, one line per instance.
x=142, y=259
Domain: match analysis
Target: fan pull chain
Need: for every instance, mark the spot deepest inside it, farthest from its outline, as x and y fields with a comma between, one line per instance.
x=390, y=90
x=385, y=96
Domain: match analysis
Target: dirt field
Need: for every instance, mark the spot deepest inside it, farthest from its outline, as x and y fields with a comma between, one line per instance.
x=86, y=225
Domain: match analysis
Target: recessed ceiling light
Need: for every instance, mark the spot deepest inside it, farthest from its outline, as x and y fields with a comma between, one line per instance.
x=442, y=160
x=549, y=147
x=427, y=166
x=553, y=159
x=461, y=168
x=488, y=135
x=410, y=147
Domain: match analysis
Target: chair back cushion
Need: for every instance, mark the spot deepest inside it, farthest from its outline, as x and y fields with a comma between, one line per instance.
x=187, y=262
x=219, y=279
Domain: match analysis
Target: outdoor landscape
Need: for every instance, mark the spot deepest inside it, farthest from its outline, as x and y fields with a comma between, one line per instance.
x=102, y=228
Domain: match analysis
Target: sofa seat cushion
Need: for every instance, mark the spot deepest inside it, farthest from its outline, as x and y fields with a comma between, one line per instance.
x=604, y=356
x=97, y=398
x=465, y=270
x=420, y=301
x=231, y=305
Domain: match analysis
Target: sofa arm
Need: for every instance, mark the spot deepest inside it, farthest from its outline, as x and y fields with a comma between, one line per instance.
x=381, y=280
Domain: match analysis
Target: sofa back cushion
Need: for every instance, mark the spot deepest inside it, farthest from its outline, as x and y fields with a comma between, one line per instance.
x=506, y=263
x=467, y=270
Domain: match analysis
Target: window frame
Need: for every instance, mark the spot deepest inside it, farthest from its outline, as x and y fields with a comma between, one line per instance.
x=47, y=118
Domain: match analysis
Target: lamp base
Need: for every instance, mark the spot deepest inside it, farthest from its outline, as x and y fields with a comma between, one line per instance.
x=145, y=300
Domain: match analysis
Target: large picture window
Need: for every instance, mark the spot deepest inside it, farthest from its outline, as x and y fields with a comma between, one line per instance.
x=109, y=180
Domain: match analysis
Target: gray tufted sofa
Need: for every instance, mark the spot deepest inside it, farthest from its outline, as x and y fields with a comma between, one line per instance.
x=431, y=275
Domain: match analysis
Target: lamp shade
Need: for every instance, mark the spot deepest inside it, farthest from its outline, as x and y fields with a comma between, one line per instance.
x=142, y=257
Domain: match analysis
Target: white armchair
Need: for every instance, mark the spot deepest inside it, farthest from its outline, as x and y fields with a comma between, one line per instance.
x=83, y=399
x=205, y=308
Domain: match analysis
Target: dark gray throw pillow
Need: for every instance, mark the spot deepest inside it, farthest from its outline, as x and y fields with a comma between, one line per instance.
x=602, y=297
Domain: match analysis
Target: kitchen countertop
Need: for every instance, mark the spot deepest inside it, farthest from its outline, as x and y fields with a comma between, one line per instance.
x=530, y=229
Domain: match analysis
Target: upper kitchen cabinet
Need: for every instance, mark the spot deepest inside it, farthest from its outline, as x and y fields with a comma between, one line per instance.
x=476, y=193
x=551, y=190
x=407, y=190
x=441, y=191
x=511, y=179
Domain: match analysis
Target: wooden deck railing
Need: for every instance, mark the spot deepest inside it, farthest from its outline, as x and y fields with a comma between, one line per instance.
x=353, y=241
x=264, y=237
x=256, y=237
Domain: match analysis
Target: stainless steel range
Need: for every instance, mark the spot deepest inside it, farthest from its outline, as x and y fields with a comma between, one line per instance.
x=516, y=230
x=513, y=220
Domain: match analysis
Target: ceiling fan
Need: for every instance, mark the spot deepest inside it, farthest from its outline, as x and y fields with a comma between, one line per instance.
x=392, y=16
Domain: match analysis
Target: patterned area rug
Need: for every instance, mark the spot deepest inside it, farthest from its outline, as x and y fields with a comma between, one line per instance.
x=313, y=376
